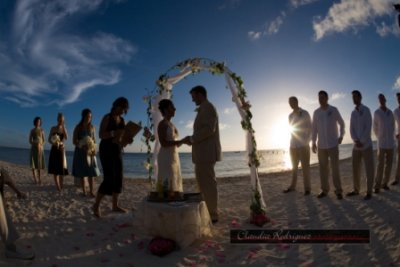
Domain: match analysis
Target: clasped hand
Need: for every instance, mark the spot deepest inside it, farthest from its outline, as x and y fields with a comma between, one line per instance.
x=186, y=141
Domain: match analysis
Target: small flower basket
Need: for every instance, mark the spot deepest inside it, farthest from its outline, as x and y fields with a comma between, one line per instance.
x=161, y=246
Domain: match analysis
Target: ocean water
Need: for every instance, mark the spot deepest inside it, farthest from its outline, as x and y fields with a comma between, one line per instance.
x=232, y=164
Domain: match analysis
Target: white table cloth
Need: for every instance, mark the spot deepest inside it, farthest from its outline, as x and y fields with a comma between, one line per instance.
x=183, y=222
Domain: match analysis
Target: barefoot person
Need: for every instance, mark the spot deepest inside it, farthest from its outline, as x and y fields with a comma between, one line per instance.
x=8, y=180
x=57, y=160
x=206, y=148
x=360, y=131
x=8, y=233
x=383, y=126
x=36, y=139
x=84, y=163
x=300, y=121
x=169, y=166
x=396, y=114
x=326, y=120
x=111, y=155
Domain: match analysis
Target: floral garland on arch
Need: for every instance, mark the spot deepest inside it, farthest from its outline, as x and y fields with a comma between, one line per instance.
x=235, y=84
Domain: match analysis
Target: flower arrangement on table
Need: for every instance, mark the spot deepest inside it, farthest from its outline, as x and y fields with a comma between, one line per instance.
x=89, y=145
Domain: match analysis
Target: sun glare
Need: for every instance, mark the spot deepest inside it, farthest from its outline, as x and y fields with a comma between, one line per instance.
x=280, y=135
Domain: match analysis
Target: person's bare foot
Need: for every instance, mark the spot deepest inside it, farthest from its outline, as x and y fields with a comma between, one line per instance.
x=91, y=195
x=96, y=211
x=119, y=209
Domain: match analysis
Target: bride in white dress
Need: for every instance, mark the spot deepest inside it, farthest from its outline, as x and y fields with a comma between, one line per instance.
x=169, y=166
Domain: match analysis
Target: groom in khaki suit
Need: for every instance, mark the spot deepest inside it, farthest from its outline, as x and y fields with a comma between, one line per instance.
x=206, y=148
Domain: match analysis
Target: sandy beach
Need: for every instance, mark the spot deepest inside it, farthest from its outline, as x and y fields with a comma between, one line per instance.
x=62, y=231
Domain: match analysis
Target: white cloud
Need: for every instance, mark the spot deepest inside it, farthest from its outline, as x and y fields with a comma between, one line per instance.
x=44, y=63
x=228, y=111
x=254, y=35
x=298, y=3
x=223, y=126
x=276, y=24
x=350, y=14
x=384, y=30
x=397, y=83
x=229, y=4
x=271, y=28
x=189, y=124
x=336, y=96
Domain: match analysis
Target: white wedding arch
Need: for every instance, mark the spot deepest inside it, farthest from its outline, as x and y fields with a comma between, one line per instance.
x=163, y=90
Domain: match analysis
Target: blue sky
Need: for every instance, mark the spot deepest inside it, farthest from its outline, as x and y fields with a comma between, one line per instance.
x=64, y=56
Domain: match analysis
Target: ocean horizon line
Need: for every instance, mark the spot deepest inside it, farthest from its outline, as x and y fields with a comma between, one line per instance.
x=181, y=152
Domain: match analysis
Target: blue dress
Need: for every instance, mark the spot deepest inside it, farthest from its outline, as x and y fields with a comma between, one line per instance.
x=82, y=164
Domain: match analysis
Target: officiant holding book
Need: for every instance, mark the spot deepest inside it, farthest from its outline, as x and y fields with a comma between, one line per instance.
x=115, y=135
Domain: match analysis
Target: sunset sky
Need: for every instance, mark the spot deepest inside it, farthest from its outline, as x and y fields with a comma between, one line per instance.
x=64, y=56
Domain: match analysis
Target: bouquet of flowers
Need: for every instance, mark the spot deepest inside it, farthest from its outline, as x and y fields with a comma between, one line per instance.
x=88, y=143
x=161, y=246
x=258, y=216
x=55, y=140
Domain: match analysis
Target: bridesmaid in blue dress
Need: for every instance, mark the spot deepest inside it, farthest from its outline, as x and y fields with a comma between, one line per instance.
x=84, y=163
x=57, y=160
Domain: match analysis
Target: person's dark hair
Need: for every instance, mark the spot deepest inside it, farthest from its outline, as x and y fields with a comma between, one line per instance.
x=293, y=98
x=357, y=93
x=381, y=95
x=36, y=119
x=322, y=92
x=199, y=89
x=398, y=94
x=121, y=102
x=84, y=113
x=163, y=105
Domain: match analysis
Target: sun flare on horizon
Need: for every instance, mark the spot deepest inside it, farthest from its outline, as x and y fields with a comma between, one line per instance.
x=280, y=134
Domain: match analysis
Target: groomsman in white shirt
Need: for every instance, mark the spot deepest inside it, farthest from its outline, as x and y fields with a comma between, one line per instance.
x=384, y=130
x=397, y=118
x=360, y=131
x=300, y=121
x=325, y=127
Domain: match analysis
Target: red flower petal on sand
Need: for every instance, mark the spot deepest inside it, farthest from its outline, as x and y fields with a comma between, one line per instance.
x=255, y=250
x=251, y=255
x=124, y=225
x=283, y=246
x=133, y=237
x=54, y=265
x=121, y=255
x=141, y=245
x=210, y=243
x=90, y=234
x=76, y=248
x=28, y=246
x=104, y=260
x=220, y=254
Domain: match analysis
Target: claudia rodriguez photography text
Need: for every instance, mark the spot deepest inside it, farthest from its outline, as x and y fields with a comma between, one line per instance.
x=241, y=236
